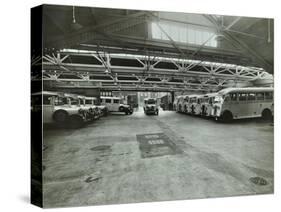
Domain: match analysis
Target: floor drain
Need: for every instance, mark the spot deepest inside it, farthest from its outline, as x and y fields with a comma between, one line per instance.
x=155, y=144
x=100, y=148
x=258, y=181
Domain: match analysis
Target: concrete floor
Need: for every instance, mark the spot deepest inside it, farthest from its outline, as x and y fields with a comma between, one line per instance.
x=102, y=163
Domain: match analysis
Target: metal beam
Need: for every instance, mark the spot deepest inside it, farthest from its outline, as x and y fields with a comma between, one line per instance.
x=128, y=42
x=239, y=42
x=232, y=23
x=172, y=41
x=127, y=87
x=124, y=25
x=201, y=46
x=166, y=44
x=180, y=22
x=56, y=70
x=247, y=34
x=166, y=52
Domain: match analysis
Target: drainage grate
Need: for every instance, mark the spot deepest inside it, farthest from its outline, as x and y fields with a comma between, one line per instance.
x=258, y=181
x=156, y=144
x=101, y=148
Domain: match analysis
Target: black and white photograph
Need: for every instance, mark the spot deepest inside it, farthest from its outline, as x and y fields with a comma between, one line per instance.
x=131, y=106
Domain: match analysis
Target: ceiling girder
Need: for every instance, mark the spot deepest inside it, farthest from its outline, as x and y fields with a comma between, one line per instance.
x=56, y=69
x=239, y=42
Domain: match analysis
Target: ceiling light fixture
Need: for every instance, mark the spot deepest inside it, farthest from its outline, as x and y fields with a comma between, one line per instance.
x=268, y=34
x=75, y=25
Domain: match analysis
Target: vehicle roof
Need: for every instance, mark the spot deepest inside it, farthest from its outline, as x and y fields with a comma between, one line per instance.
x=194, y=95
x=88, y=97
x=247, y=89
x=210, y=94
x=80, y=96
x=179, y=96
x=201, y=96
x=150, y=98
x=71, y=95
x=110, y=97
x=182, y=96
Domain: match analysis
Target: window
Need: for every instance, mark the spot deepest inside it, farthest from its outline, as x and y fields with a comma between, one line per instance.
x=107, y=100
x=81, y=101
x=251, y=96
x=233, y=97
x=242, y=96
x=151, y=101
x=183, y=33
x=268, y=95
x=88, y=102
x=205, y=100
x=74, y=101
x=47, y=100
x=193, y=100
x=260, y=96
x=227, y=98
x=59, y=101
x=65, y=100
x=116, y=101
x=218, y=99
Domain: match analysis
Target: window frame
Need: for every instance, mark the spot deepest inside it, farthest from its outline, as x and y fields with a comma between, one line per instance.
x=239, y=97
x=271, y=95
x=183, y=34
x=263, y=95
x=248, y=95
x=108, y=101
x=114, y=101
x=49, y=97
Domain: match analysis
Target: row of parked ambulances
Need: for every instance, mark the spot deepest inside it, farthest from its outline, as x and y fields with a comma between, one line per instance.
x=72, y=110
x=228, y=103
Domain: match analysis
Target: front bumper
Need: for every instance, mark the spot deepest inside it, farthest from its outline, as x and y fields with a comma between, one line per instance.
x=151, y=110
x=130, y=109
x=84, y=114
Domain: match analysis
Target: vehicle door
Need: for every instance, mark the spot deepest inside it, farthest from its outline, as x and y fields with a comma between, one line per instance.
x=48, y=108
x=241, y=108
x=115, y=105
x=108, y=103
x=252, y=106
x=210, y=106
x=260, y=98
x=198, y=106
x=231, y=103
x=268, y=101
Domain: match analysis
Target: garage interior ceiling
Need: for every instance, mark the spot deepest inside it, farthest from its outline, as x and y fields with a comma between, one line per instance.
x=117, y=47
